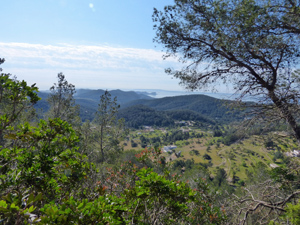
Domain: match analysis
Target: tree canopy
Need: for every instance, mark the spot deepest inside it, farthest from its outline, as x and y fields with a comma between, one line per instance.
x=251, y=44
x=109, y=131
x=16, y=97
x=62, y=102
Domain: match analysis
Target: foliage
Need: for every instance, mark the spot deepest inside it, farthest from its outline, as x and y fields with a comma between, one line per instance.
x=46, y=178
x=242, y=42
x=133, y=144
x=188, y=164
x=16, y=97
x=231, y=137
x=144, y=141
x=139, y=115
x=16, y=208
x=175, y=135
x=200, y=108
x=220, y=177
x=205, y=210
x=194, y=152
x=292, y=213
x=108, y=131
x=62, y=102
x=43, y=159
x=206, y=156
x=105, y=209
x=158, y=200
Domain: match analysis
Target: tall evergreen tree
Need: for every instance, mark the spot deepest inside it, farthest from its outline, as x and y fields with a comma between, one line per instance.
x=108, y=130
x=62, y=102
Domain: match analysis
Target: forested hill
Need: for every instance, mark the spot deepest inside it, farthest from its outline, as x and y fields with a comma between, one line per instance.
x=89, y=99
x=140, y=115
x=200, y=108
x=206, y=106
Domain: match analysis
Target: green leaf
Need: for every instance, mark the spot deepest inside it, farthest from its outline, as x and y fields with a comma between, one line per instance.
x=3, y=204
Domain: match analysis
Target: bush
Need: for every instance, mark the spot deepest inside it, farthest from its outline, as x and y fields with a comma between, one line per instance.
x=206, y=156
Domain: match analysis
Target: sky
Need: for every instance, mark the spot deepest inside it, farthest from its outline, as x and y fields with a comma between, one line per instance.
x=105, y=44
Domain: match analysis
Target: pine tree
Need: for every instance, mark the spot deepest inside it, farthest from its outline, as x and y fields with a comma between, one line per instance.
x=62, y=102
x=108, y=130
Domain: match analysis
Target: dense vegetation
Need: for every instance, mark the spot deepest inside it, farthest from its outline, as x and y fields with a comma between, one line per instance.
x=89, y=100
x=50, y=168
x=140, y=115
x=165, y=111
x=209, y=107
x=57, y=169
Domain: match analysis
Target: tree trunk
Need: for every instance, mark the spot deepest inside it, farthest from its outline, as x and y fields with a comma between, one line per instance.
x=283, y=108
x=1, y=138
x=101, y=143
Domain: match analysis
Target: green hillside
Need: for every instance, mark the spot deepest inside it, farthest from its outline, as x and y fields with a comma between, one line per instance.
x=199, y=108
x=89, y=100
x=140, y=115
x=210, y=107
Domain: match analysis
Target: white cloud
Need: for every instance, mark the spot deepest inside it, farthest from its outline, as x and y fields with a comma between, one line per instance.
x=81, y=56
x=98, y=66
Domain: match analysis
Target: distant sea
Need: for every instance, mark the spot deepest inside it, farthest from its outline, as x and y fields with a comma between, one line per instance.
x=164, y=93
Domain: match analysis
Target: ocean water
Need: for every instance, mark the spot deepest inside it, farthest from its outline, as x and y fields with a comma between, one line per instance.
x=164, y=93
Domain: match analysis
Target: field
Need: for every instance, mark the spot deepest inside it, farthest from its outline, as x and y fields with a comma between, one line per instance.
x=237, y=159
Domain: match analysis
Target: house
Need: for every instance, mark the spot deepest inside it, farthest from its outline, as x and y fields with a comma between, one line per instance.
x=185, y=130
x=294, y=153
x=169, y=148
x=273, y=166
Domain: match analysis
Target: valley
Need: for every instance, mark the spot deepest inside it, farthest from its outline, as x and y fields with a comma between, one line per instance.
x=203, y=129
x=238, y=159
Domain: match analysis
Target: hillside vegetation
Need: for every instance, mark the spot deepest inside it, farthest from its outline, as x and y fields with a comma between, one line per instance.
x=60, y=168
x=166, y=110
x=206, y=106
x=140, y=115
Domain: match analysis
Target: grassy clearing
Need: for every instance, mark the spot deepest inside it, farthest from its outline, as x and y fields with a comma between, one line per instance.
x=236, y=159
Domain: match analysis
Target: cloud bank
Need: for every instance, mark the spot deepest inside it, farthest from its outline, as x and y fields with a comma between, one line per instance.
x=88, y=66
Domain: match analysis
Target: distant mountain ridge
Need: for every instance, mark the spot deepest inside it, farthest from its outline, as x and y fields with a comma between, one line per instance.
x=199, y=107
x=122, y=96
x=89, y=99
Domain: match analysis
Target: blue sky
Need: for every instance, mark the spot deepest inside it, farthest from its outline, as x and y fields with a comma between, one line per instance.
x=96, y=43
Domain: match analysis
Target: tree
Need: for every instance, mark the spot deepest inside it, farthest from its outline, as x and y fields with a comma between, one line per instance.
x=43, y=159
x=220, y=177
x=284, y=16
x=292, y=213
x=45, y=178
x=41, y=164
x=144, y=141
x=157, y=200
x=206, y=156
x=16, y=97
x=251, y=44
x=108, y=131
x=62, y=102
